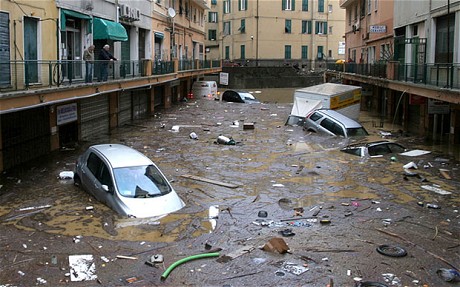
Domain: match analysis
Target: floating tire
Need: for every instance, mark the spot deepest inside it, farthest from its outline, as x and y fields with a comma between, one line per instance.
x=392, y=250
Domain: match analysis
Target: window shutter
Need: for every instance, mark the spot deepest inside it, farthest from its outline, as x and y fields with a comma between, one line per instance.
x=304, y=5
x=293, y=5
x=283, y=5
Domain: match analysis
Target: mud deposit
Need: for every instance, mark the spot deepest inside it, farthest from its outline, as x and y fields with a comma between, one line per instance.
x=333, y=210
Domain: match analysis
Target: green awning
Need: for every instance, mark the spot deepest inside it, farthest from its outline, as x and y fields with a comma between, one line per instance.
x=109, y=30
x=159, y=35
x=66, y=13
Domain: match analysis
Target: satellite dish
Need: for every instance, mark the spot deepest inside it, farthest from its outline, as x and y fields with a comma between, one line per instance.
x=171, y=12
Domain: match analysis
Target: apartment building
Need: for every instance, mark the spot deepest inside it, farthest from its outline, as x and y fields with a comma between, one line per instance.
x=45, y=102
x=405, y=56
x=257, y=32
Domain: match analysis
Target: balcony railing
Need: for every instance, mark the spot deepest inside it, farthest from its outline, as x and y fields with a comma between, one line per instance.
x=22, y=75
x=434, y=74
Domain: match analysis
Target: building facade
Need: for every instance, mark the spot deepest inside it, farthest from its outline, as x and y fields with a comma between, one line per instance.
x=46, y=100
x=406, y=58
x=255, y=32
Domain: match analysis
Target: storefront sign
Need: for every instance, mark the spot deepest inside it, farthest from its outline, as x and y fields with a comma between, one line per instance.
x=378, y=29
x=66, y=113
x=438, y=107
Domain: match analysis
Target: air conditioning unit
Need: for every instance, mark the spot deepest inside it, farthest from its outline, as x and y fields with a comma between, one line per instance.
x=124, y=11
x=355, y=26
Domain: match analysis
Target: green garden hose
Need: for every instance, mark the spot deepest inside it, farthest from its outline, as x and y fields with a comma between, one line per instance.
x=186, y=259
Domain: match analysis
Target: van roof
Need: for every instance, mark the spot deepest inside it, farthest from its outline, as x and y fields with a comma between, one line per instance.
x=328, y=89
x=121, y=156
x=349, y=123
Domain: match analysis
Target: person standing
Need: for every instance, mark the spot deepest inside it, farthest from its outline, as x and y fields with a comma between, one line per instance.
x=88, y=57
x=105, y=57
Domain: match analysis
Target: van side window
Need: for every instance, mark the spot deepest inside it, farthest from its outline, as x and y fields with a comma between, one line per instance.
x=315, y=116
x=328, y=124
x=338, y=130
x=104, y=177
x=99, y=169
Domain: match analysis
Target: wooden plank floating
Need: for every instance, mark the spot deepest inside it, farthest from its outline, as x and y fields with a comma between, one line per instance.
x=199, y=178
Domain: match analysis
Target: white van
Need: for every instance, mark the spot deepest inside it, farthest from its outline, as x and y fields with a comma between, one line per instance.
x=205, y=89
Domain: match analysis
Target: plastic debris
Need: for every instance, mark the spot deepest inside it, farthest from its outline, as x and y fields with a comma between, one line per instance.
x=82, y=268
x=449, y=275
x=66, y=175
x=225, y=140
x=436, y=189
x=175, y=129
x=193, y=136
x=293, y=268
x=410, y=165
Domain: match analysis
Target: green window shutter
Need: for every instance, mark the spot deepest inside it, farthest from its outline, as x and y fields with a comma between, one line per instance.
x=283, y=5
x=304, y=52
x=325, y=28
x=243, y=52
x=316, y=27
x=304, y=5
x=239, y=5
x=320, y=5
x=304, y=27
x=309, y=27
x=213, y=2
x=293, y=5
x=287, y=52
x=246, y=4
x=287, y=27
x=209, y=17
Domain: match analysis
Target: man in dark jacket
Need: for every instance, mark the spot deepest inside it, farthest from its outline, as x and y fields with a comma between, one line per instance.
x=105, y=57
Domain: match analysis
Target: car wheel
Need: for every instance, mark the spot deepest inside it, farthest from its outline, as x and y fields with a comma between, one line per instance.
x=76, y=180
x=392, y=250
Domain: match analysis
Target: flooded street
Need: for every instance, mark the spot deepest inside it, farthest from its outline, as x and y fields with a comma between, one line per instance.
x=332, y=209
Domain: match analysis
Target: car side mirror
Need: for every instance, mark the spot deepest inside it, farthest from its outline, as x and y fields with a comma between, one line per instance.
x=106, y=188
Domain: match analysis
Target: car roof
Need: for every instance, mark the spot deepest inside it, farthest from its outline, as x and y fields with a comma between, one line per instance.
x=349, y=123
x=121, y=156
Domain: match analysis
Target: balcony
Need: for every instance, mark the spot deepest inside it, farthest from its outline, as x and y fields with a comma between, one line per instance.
x=440, y=75
x=28, y=75
x=345, y=3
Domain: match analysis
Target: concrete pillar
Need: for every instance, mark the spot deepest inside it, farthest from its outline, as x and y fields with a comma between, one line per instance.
x=54, y=137
x=152, y=100
x=167, y=97
x=454, y=130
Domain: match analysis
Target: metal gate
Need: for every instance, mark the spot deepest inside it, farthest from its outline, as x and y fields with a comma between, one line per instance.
x=94, y=117
x=26, y=136
x=124, y=108
x=140, y=104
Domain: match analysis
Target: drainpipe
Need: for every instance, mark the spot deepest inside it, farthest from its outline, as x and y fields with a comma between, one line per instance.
x=257, y=34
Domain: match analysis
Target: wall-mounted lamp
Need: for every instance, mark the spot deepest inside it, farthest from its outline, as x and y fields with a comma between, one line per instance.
x=252, y=37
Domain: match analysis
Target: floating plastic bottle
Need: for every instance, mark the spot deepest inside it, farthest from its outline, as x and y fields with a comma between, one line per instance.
x=449, y=275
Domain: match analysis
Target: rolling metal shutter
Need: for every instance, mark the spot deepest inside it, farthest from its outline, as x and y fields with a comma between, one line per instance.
x=140, y=104
x=94, y=117
x=125, y=108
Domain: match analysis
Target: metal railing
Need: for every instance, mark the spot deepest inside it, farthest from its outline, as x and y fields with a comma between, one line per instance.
x=23, y=75
x=444, y=75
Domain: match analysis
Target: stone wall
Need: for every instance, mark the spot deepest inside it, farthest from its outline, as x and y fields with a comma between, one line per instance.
x=268, y=77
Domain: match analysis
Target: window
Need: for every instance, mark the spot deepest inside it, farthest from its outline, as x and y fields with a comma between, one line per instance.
x=321, y=6
x=212, y=35
x=288, y=5
x=287, y=27
x=213, y=2
x=369, y=6
x=242, y=28
x=320, y=27
x=330, y=30
x=376, y=4
x=242, y=5
x=227, y=52
x=212, y=17
x=287, y=52
x=304, y=52
x=304, y=5
x=227, y=28
x=227, y=7
x=329, y=8
x=243, y=52
x=306, y=27
x=320, y=52
x=444, y=48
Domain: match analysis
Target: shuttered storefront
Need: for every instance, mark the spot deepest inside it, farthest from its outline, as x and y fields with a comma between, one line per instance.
x=159, y=97
x=140, y=104
x=25, y=135
x=94, y=117
x=124, y=108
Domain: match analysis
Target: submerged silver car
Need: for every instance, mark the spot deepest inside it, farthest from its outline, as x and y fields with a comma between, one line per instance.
x=127, y=181
x=333, y=123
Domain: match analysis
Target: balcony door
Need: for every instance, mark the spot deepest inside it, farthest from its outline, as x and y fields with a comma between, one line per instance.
x=30, y=50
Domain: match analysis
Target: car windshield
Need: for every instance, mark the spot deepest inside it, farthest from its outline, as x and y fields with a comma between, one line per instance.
x=140, y=181
x=356, y=132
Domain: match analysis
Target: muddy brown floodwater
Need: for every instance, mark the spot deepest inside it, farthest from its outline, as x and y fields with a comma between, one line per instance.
x=337, y=208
